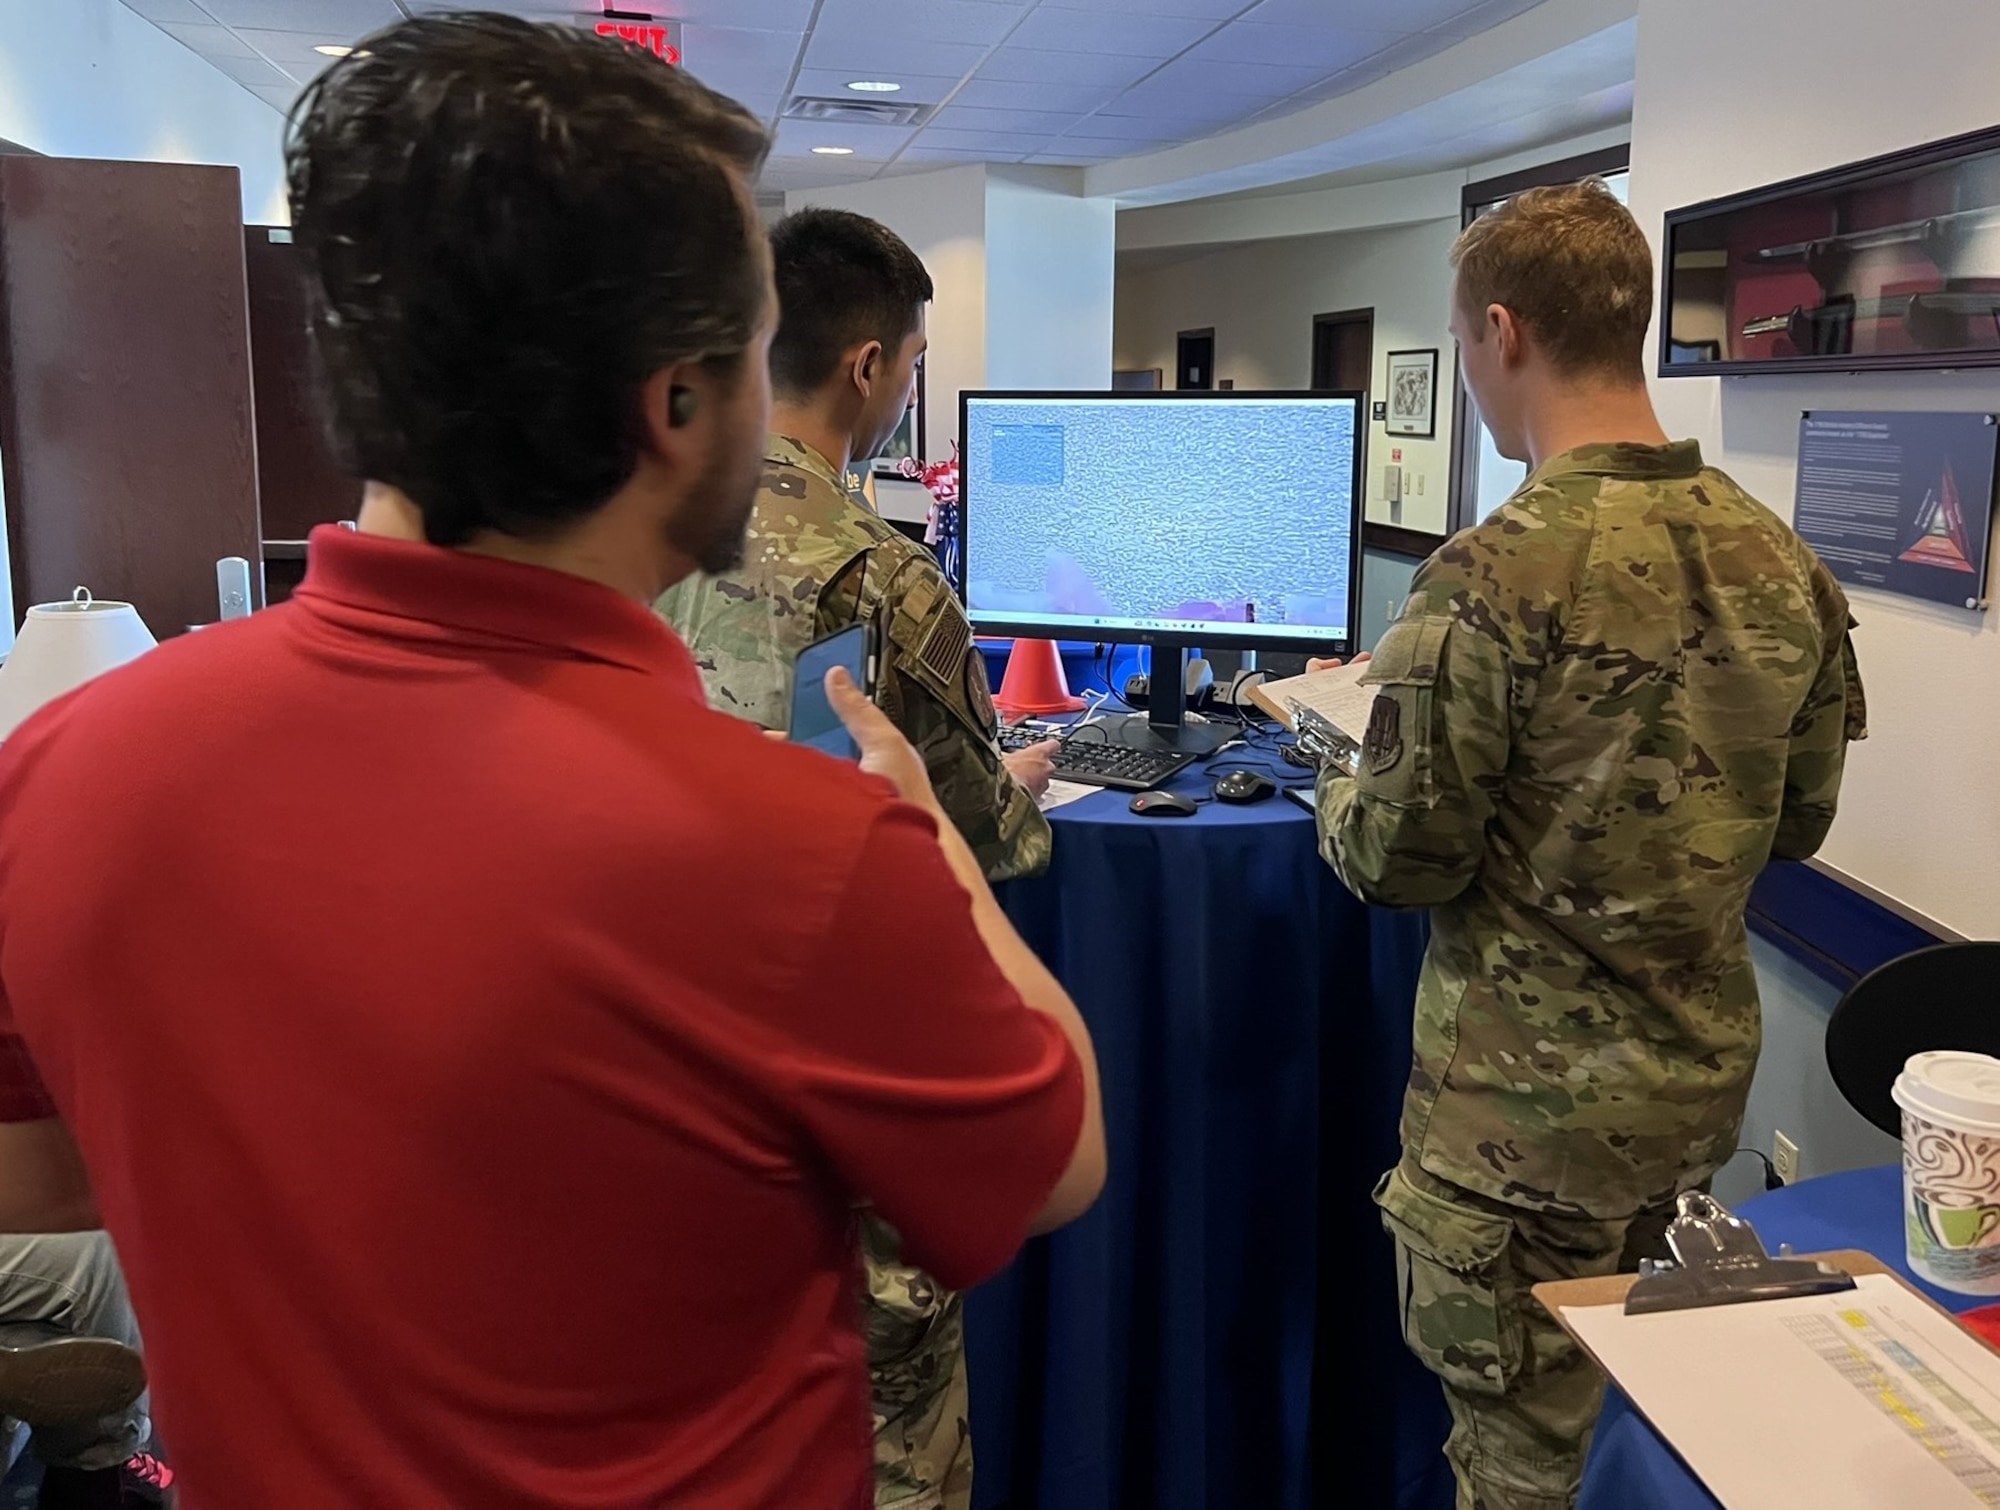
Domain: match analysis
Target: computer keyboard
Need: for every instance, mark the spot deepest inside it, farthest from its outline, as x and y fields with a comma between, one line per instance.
x=1093, y=761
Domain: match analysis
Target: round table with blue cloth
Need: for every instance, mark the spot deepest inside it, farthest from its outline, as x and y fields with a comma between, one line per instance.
x=1631, y=1467
x=1221, y=1329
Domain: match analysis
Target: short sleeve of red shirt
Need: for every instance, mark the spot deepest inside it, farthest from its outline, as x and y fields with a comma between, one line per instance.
x=935, y=1091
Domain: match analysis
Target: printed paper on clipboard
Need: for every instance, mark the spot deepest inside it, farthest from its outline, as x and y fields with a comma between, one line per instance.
x=1866, y=1400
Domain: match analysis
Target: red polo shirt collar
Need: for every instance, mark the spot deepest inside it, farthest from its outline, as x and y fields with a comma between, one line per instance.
x=414, y=591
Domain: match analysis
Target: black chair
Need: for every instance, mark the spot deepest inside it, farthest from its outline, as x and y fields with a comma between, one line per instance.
x=1946, y=997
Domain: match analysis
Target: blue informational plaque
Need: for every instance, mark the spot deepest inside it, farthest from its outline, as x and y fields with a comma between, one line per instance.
x=1900, y=502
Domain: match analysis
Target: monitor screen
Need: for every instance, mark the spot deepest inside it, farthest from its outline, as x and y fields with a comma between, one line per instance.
x=1227, y=519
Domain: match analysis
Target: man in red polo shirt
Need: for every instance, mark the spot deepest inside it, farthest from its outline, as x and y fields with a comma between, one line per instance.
x=477, y=1048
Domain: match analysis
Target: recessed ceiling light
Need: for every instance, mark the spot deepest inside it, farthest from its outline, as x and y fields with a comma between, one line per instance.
x=875, y=86
x=334, y=52
x=833, y=152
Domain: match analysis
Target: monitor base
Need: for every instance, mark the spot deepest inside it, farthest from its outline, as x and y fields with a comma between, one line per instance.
x=1186, y=738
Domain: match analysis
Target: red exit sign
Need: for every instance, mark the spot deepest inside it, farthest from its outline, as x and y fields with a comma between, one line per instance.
x=661, y=38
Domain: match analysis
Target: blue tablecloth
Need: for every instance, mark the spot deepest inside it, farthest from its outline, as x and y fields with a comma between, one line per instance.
x=1631, y=1467
x=1221, y=1330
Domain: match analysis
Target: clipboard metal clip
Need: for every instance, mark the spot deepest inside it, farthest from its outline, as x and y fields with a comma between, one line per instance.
x=1719, y=1260
x=1321, y=738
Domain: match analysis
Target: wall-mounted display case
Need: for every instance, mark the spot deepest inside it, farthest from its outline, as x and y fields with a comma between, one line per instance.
x=1890, y=263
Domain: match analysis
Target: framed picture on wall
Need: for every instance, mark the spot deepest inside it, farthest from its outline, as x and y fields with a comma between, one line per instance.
x=908, y=439
x=1413, y=390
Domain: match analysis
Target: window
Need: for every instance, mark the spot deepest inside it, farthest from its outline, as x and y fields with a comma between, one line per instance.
x=1482, y=479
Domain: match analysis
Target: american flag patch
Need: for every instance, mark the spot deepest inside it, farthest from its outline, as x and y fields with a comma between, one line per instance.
x=945, y=646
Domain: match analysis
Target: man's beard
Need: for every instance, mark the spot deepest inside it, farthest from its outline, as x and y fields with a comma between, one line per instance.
x=713, y=524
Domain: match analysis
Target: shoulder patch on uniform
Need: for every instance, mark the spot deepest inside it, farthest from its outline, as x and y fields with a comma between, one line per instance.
x=1382, y=748
x=945, y=645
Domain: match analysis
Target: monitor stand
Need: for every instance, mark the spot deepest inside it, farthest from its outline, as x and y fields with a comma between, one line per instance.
x=1164, y=725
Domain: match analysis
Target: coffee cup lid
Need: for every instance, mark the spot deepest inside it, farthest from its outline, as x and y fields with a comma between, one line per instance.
x=1952, y=1088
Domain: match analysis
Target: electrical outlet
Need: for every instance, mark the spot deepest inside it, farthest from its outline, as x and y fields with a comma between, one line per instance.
x=1785, y=1158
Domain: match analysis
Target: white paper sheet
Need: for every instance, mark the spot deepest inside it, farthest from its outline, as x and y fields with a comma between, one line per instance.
x=1335, y=695
x=1062, y=793
x=1866, y=1400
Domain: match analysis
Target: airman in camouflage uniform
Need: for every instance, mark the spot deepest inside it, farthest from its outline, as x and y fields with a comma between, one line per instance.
x=1599, y=714
x=817, y=560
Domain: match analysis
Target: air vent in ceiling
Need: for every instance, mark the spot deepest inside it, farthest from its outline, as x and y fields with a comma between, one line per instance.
x=856, y=112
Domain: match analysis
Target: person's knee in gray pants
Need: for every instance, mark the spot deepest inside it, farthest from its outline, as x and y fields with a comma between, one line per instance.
x=65, y=1286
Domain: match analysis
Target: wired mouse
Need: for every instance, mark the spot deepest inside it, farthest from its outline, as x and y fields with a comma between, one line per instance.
x=1244, y=786
x=1163, y=805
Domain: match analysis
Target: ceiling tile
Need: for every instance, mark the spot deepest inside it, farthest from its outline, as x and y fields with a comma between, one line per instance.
x=973, y=118
x=1212, y=10
x=1033, y=66
x=734, y=49
x=1263, y=81
x=917, y=152
x=1095, y=146
x=1062, y=29
x=179, y=12
x=1137, y=128
x=253, y=71
x=1324, y=47
x=756, y=15
x=831, y=83
x=1022, y=94
x=336, y=20
x=290, y=50
x=1172, y=99
x=210, y=41
x=987, y=141
x=1065, y=160
x=1469, y=21
x=983, y=22
x=280, y=99
x=878, y=54
x=527, y=10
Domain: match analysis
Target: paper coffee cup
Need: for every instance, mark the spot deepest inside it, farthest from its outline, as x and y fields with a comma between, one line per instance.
x=1951, y=1169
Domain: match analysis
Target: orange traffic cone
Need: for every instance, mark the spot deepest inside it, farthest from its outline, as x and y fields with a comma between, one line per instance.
x=1034, y=683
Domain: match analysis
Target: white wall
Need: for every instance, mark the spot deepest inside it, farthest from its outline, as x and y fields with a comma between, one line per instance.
x=89, y=78
x=1261, y=298
x=1920, y=815
x=1050, y=269
x=943, y=218
x=1793, y=1093
x=1023, y=269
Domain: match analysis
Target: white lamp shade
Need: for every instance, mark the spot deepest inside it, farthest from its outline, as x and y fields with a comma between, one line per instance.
x=63, y=645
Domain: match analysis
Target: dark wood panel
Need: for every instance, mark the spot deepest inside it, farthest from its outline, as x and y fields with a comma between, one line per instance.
x=300, y=482
x=126, y=428
x=1393, y=538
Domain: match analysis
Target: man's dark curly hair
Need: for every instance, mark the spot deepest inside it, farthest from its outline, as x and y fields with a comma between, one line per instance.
x=508, y=228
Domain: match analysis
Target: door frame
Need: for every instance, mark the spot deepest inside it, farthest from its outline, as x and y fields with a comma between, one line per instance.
x=1206, y=332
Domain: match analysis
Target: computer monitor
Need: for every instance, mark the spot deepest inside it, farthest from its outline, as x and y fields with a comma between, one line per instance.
x=1226, y=518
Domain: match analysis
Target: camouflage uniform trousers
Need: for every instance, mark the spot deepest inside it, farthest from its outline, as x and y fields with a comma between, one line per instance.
x=916, y=1382
x=1524, y=1397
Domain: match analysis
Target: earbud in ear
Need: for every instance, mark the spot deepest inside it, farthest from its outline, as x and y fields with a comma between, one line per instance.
x=681, y=406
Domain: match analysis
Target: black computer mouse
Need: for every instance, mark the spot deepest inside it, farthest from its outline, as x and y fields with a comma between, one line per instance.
x=1164, y=805
x=1244, y=786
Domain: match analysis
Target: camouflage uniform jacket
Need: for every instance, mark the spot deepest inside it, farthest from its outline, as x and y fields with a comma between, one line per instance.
x=1598, y=715
x=816, y=562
